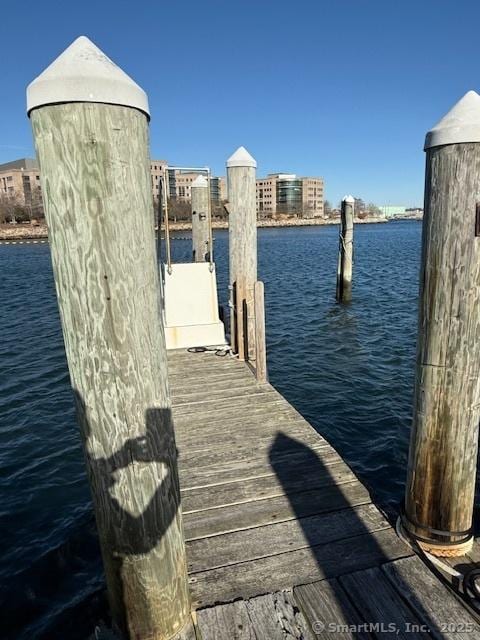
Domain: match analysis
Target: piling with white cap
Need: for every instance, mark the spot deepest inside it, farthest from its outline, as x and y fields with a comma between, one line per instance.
x=90, y=124
x=242, y=225
x=444, y=439
x=200, y=220
x=345, y=251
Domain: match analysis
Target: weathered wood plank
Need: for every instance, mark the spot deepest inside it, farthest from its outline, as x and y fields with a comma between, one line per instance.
x=241, y=491
x=380, y=604
x=245, y=416
x=226, y=622
x=222, y=472
x=182, y=384
x=201, y=398
x=214, y=468
x=255, y=514
x=283, y=571
x=268, y=457
x=438, y=609
x=329, y=612
x=265, y=435
x=266, y=400
x=275, y=616
x=241, y=546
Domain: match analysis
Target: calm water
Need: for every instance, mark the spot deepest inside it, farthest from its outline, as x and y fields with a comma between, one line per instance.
x=347, y=369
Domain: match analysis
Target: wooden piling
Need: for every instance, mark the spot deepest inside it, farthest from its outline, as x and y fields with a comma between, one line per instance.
x=242, y=225
x=200, y=220
x=345, y=251
x=90, y=125
x=260, y=337
x=443, y=446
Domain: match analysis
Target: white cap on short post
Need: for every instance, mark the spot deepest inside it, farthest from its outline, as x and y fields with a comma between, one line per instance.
x=241, y=158
x=200, y=181
x=349, y=199
x=83, y=73
x=460, y=124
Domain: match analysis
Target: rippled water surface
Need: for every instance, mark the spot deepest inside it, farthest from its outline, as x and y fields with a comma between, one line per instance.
x=347, y=368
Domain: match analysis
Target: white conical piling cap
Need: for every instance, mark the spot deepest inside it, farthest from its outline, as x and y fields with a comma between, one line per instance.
x=83, y=73
x=241, y=158
x=200, y=181
x=460, y=124
x=349, y=199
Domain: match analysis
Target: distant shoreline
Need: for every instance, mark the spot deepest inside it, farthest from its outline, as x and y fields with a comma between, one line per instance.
x=10, y=233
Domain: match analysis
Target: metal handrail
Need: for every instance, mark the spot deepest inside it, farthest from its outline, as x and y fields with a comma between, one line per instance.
x=165, y=211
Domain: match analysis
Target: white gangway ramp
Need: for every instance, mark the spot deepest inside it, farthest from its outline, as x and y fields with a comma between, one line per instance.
x=191, y=306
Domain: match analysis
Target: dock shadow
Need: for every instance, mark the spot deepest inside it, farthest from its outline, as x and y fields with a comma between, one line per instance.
x=332, y=557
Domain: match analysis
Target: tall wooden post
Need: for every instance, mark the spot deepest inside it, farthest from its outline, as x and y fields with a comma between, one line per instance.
x=242, y=226
x=443, y=446
x=90, y=124
x=200, y=220
x=345, y=251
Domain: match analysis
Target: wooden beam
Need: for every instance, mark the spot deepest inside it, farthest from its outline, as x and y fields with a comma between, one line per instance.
x=443, y=447
x=96, y=187
x=242, y=225
x=260, y=337
x=345, y=251
x=200, y=220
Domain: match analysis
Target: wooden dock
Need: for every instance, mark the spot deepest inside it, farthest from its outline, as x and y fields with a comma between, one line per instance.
x=282, y=538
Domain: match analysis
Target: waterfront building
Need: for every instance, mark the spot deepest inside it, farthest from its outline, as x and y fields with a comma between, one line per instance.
x=156, y=172
x=289, y=194
x=180, y=185
x=20, y=183
x=390, y=210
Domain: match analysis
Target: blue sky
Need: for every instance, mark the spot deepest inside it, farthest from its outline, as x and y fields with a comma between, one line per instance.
x=345, y=89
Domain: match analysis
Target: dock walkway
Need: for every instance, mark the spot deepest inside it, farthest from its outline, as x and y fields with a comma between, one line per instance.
x=282, y=538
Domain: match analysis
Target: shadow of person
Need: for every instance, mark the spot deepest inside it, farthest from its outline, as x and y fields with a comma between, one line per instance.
x=137, y=484
x=136, y=498
x=344, y=534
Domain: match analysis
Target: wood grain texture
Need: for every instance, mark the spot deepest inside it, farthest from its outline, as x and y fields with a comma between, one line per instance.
x=260, y=335
x=379, y=603
x=275, y=616
x=240, y=546
x=96, y=187
x=226, y=622
x=443, y=446
x=266, y=575
x=199, y=524
x=263, y=488
x=200, y=224
x=438, y=609
x=212, y=468
x=345, y=254
x=329, y=612
x=242, y=233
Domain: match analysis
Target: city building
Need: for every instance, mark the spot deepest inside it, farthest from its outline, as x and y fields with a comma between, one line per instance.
x=156, y=171
x=390, y=210
x=289, y=194
x=180, y=185
x=20, y=182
